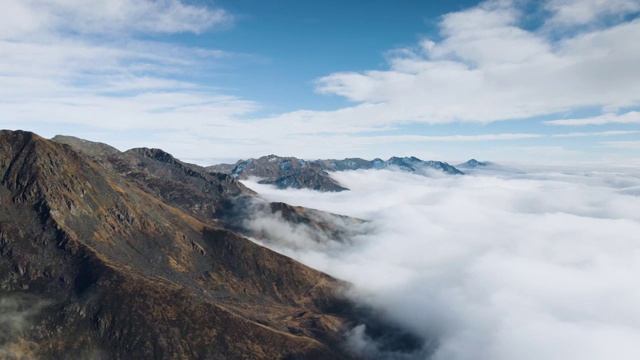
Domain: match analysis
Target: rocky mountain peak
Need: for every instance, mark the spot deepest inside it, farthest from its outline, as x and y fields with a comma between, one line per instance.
x=473, y=163
x=156, y=154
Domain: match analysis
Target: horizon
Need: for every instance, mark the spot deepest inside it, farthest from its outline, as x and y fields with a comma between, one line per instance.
x=578, y=165
x=552, y=82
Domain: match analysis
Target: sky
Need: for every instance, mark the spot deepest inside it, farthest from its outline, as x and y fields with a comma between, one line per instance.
x=507, y=262
x=547, y=81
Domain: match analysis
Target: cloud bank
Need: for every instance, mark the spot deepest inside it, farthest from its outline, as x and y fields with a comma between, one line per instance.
x=538, y=263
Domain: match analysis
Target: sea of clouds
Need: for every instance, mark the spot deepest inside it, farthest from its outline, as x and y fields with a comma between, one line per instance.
x=502, y=263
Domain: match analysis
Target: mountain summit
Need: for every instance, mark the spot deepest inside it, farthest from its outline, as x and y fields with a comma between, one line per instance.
x=473, y=163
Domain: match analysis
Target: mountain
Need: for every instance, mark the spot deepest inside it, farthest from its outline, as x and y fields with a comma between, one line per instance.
x=103, y=255
x=348, y=164
x=415, y=165
x=473, y=163
x=210, y=197
x=223, y=168
x=290, y=172
x=284, y=172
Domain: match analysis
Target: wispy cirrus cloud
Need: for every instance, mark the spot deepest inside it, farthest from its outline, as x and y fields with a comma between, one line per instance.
x=451, y=138
x=107, y=18
x=631, y=117
x=633, y=145
x=581, y=12
x=601, y=133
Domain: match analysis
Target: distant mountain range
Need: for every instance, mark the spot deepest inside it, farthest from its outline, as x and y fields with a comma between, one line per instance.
x=137, y=255
x=290, y=172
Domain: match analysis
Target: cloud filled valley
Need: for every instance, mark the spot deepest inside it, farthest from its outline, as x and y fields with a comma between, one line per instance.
x=535, y=263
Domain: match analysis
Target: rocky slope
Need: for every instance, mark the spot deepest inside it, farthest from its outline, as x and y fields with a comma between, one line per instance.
x=290, y=172
x=101, y=256
x=284, y=172
x=210, y=197
x=92, y=149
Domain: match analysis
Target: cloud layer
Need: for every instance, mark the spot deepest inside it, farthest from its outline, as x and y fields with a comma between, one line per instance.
x=530, y=264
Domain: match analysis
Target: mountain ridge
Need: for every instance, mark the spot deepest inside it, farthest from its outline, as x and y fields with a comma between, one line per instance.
x=291, y=172
x=115, y=268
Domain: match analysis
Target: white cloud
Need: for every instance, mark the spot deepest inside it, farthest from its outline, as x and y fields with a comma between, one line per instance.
x=486, y=68
x=601, y=133
x=475, y=35
x=441, y=138
x=632, y=117
x=581, y=12
x=507, y=265
x=541, y=151
x=633, y=145
x=111, y=18
x=18, y=18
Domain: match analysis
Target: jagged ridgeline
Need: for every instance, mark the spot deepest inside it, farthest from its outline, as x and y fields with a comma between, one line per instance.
x=136, y=255
x=290, y=172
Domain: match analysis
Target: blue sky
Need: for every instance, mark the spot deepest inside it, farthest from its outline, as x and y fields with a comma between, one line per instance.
x=502, y=80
